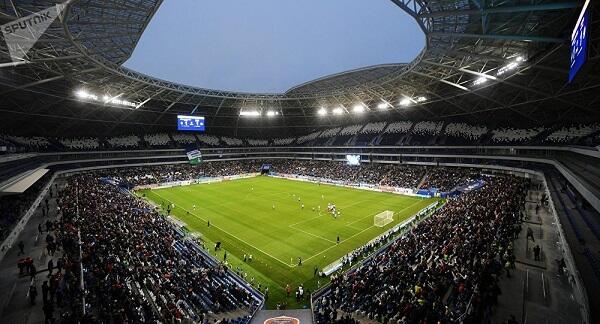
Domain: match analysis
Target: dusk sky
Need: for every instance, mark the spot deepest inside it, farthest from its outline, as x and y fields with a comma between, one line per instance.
x=272, y=45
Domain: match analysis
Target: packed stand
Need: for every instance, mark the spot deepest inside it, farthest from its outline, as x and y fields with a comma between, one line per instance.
x=445, y=270
x=372, y=173
x=138, y=268
x=446, y=179
x=149, y=175
x=392, y=175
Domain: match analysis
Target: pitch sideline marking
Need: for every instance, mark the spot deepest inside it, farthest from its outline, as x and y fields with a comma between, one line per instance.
x=237, y=238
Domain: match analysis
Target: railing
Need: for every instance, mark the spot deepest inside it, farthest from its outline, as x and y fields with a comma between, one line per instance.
x=14, y=234
x=80, y=243
x=579, y=290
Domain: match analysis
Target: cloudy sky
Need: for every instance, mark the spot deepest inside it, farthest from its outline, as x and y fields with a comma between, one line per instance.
x=272, y=45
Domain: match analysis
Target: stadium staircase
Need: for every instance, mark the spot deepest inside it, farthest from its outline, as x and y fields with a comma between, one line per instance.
x=581, y=237
x=376, y=140
x=539, y=138
x=330, y=141
x=14, y=306
x=536, y=291
x=591, y=140
x=485, y=139
x=425, y=176
x=442, y=139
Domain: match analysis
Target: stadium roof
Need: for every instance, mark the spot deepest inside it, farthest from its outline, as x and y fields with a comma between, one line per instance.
x=521, y=50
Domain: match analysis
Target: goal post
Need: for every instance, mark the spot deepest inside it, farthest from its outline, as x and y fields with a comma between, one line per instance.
x=383, y=218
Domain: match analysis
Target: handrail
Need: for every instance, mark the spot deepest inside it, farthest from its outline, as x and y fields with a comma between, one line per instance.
x=20, y=225
x=80, y=243
x=580, y=292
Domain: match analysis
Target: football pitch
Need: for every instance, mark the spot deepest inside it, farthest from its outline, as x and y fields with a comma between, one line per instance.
x=263, y=217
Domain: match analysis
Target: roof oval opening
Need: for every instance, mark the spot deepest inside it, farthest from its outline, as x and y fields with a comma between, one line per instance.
x=270, y=46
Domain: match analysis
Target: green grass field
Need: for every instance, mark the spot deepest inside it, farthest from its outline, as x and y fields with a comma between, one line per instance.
x=242, y=217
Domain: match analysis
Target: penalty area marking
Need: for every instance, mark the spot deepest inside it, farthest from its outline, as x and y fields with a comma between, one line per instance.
x=237, y=238
x=401, y=210
x=311, y=234
x=342, y=241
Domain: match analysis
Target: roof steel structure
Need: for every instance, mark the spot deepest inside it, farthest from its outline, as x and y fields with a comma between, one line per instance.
x=465, y=40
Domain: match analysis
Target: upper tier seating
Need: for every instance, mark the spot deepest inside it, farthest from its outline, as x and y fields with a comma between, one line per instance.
x=184, y=138
x=209, y=140
x=284, y=141
x=307, y=138
x=257, y=142
x=373, y=128
x=160, y=139
x=465, y=130
x=84, y=143
x=427, y=128
x=398, y=127
x=510, y=135
x=33, y=143
x=128, y=141
x=232, y=141
x=350, y=130
x=330, y=132
x=566, y=134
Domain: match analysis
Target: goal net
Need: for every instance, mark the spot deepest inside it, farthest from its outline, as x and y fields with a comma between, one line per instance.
x=383, y=218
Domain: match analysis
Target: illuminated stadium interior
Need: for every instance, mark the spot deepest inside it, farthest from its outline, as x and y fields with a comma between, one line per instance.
x=414, y=162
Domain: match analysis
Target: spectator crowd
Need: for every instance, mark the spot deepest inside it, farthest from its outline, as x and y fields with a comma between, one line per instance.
x=137, y=267
x=445, y=270
x=392, y=175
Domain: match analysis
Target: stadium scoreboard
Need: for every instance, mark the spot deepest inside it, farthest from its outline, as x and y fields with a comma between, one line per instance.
x=190, y=123
x=579, y=40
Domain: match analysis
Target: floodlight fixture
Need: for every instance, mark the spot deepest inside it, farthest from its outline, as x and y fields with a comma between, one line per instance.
x=358, y=108
x=250, y=113
x=383, y=105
